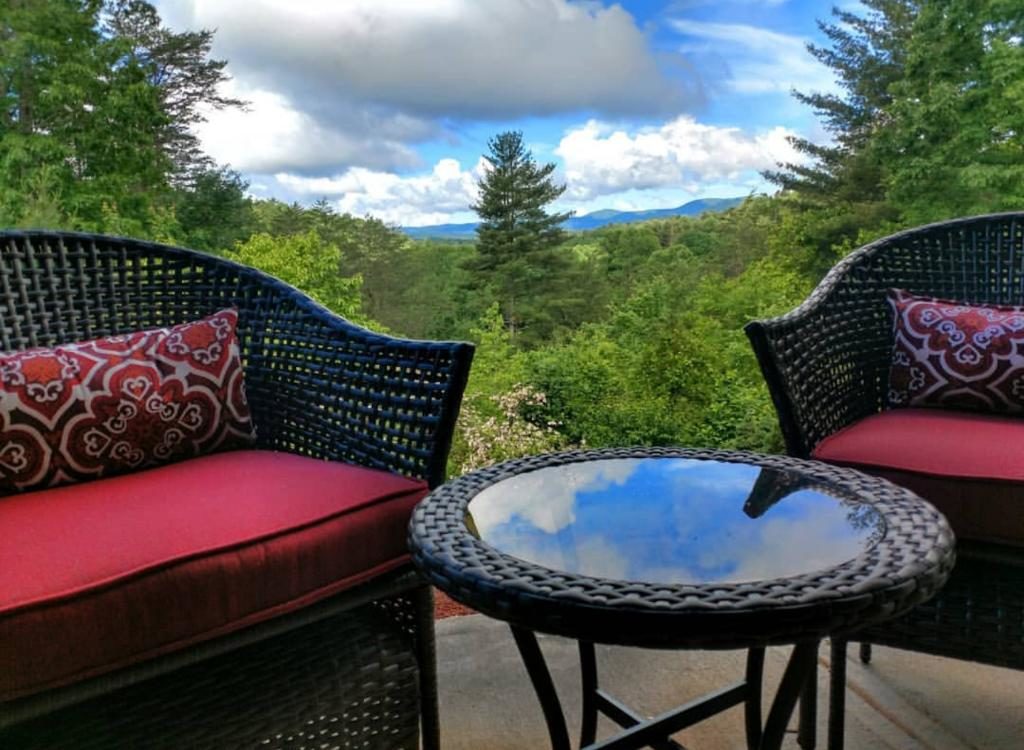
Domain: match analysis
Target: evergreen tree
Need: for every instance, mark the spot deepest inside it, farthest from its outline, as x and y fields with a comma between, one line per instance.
x=867, y=54
x=215, y=213
x=180, y=67
x=930, y=124
x=954, y=136
x=517, y=255
x=78, y=122
x=309, y=263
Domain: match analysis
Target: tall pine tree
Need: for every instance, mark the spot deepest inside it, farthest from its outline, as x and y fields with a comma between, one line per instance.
x=78, y=122
x=98, y=101
x=188, y=81
x=517, y=256
x=929, y=122
x=867, y=54
x=953, y=144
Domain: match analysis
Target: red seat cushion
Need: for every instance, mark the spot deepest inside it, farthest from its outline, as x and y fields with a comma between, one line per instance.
x=100, y=575
x=970, y=466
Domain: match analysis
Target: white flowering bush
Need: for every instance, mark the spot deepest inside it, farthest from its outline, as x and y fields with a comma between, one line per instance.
x=505, y=429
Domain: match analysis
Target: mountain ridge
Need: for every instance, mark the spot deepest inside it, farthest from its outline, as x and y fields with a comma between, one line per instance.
x=593, y=220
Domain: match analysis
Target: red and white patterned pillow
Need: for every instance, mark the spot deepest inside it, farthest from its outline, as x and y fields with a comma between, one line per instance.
x=956, y=355
x=118, y=404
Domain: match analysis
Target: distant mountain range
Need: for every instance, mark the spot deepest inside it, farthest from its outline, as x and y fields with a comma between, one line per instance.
x=587, y=221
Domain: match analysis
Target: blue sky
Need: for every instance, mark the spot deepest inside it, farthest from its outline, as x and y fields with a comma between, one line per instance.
x=690, y=526
x=385, y=107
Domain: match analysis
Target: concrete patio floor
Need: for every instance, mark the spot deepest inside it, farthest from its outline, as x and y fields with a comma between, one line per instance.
x=902, y=701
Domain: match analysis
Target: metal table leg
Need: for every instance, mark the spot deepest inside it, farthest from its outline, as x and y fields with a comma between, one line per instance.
x=799, y=669
x=533, y=659
x=807, y=734
x=752, y=706
x=837, y=696
x=588, y=683
x=639, y=731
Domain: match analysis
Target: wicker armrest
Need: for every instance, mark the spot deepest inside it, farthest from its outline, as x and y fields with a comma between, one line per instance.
x=826, y=362
x=321, y=386
x=317, y=384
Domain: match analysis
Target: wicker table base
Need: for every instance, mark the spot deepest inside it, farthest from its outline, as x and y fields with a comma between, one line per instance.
x=490, y=540
x=656, y=732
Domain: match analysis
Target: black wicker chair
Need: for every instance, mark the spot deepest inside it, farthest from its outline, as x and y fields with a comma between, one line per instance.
x=826, y=365
x=357, y=670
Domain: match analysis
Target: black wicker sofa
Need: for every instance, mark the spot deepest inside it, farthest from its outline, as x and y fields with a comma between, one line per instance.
x=826, y=365
x=344, y=657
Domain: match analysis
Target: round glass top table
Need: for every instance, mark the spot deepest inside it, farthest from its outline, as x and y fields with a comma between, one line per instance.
x=676, y=548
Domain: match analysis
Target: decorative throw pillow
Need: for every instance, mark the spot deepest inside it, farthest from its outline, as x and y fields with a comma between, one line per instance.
x=953, y=354
x=118, y=404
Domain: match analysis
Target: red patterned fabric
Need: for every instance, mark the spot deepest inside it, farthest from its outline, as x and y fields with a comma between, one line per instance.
x=952, y=354
x=118, y=404
x=104, y=574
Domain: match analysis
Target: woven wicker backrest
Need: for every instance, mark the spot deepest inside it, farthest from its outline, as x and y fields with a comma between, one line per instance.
x=827, y=362
x=317, y=384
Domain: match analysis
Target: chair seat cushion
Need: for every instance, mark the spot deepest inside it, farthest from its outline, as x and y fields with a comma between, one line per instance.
x=100, y=575
x=970, y=466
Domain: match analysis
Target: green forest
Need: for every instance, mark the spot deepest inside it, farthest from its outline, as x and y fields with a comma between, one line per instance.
x=629, y=334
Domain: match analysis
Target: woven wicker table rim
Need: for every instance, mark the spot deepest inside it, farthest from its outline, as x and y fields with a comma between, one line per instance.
x=907, y=565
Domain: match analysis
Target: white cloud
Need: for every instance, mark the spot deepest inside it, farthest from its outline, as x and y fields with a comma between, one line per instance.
x=684, y=5
x=444, y=194
x=547, y=497
x=777, y=547
x=604, y=167
x=757, y=60
x=272, y=135
x=592, y=555
x=354, y=83
x=600, y=159
x=476, y=58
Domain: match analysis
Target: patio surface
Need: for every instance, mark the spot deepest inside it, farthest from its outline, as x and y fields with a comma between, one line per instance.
x=902, y=701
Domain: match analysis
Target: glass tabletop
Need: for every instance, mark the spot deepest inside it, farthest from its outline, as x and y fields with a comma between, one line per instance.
x=673, y=520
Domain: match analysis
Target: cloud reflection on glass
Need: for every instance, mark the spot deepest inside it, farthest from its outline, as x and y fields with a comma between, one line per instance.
x=671, y=520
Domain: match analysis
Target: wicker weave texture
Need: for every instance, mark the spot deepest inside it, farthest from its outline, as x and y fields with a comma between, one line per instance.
x=826, y=365
x=827, y=362
x=346, y=683
x=906, y=566
x=977, y=616
x=318, y=385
